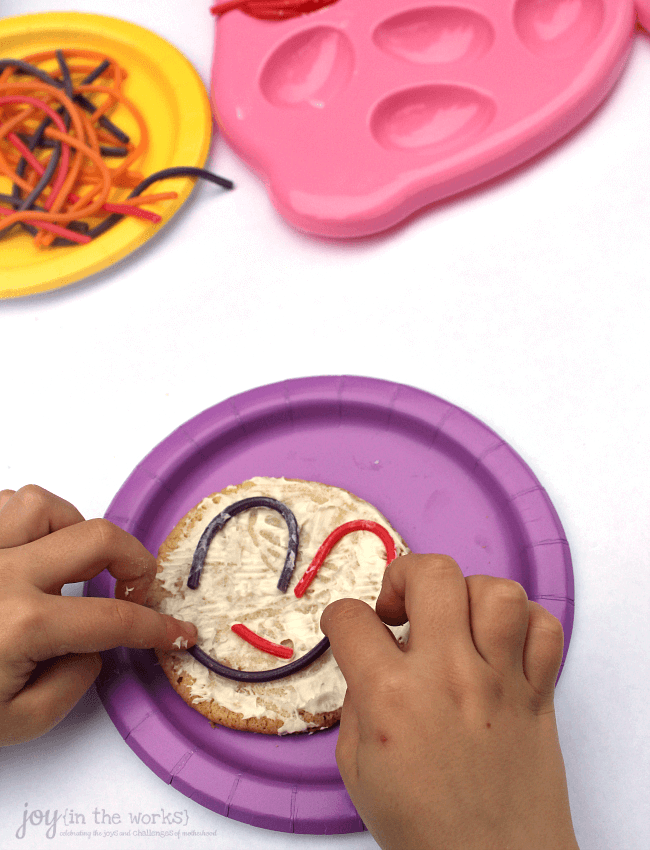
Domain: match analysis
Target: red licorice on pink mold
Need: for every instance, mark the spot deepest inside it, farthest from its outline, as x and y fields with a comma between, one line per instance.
x=271, y=10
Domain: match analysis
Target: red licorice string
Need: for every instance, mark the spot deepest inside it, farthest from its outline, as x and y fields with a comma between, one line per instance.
x=261, y=643
x=333, y=539
x=271, y=10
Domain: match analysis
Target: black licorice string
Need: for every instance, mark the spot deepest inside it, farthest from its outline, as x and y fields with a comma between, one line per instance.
x=165, y=174
x=194, y=578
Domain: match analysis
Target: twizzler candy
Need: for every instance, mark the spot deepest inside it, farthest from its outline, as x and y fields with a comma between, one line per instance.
x=69, y=163
x=199, y=559
x=271, y=10
x=361, y=113
x=283, y=583
x=246, y=623
x=333, y=539
x=219, y=522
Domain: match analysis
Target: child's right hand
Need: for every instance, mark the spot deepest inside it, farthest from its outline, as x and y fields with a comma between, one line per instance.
x=451, y=742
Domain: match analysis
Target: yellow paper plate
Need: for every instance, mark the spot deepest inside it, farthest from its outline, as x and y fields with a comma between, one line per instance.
x=174, y=103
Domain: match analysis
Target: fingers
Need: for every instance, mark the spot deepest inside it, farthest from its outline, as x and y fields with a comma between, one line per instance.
x=32, y=512
x=499, y=621
x=347, y=743
x=5, y=495
x=515, y=635
x=453, y=615
x=543, y=650
x=430, y=591
x=49, y=698
x=60, y=625
x=360, y=641
x=80, y=552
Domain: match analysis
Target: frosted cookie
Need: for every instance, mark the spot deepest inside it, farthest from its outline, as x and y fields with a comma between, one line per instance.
x=235, y=578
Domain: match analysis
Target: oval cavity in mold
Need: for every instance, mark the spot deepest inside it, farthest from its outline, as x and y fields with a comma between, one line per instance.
x=435, y=35
x=557, y=28
x=308, y=69
x=442, y=117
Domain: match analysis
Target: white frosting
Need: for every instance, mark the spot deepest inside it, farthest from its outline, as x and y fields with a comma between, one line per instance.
x=239, y=585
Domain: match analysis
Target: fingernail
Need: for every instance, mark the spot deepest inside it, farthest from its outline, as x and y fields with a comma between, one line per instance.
x=189, y=630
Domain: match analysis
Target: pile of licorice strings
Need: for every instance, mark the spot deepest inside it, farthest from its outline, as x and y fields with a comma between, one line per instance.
x=68, y=163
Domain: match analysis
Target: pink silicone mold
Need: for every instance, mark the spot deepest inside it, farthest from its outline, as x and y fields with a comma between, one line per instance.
x=359, y=114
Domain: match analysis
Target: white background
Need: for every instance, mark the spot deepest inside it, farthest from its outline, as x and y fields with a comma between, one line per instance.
x=525, y=302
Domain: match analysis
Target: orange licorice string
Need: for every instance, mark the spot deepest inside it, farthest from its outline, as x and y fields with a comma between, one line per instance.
x=138, y=200
x=142, y=146
x=65, y=150
x=120, y=181
x=124, y=209
x=261, y=643
x=60, y=216
x=28, y=89
x=331, y=541
x=74, y=180
x=136, y=151
x=89, y=203
x=82, y=181
x=271, y=10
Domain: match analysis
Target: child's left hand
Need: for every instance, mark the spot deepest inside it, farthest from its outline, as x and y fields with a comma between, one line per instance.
x=49, y=643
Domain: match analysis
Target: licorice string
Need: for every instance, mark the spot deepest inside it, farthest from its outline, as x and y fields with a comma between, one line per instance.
x=79, y=98
x=58, y=216
x=214, y=526
x=61, y=153
x=70, y=113
x=165, y=174
x=332, y=539
x=23, y=89
x=137, y=150
x=39, y=169
x=124, y=209
x=260, y=642
x=271, y=10
x=198, y=561
x=118, y=76
x=80, y=128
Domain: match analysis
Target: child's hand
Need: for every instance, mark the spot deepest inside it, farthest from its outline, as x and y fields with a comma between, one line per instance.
x=49, y=644
x=451, y=743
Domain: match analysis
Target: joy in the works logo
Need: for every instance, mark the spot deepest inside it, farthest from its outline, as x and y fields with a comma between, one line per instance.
x=100, y=822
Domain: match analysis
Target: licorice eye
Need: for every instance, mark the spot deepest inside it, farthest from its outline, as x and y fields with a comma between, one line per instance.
x=198, y=560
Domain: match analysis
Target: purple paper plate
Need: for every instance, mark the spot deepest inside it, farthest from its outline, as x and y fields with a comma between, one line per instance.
x=444, y=480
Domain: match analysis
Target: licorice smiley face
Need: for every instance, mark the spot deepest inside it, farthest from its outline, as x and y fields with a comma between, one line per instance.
x=253, y=567
x=198, y=562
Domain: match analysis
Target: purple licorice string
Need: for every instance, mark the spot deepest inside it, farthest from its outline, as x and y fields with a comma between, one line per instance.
x=194, y=578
